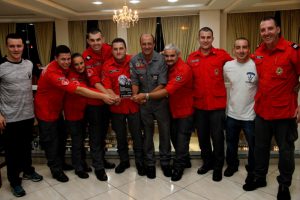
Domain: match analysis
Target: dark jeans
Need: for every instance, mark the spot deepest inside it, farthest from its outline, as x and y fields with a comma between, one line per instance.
x=285, y=133
x=210, y=125
x=158, y=110
x=77, y=131
x=52, y=141
x=233, y=129
x=96, y=117
x=120, y=127
x=181, y=130
x=17, y=145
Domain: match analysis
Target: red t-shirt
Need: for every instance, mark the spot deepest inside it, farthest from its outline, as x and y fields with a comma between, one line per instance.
x=180, y=89
x=209, y=88
x=110, y=79
x=278, y=76
x=52, y=85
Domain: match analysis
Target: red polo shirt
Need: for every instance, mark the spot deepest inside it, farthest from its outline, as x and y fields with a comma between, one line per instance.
x=74, y=105
x=52, y=85
x=209, y=88
x=180, y=88
x=278, y=76
x=94, y=62
x=110, y=79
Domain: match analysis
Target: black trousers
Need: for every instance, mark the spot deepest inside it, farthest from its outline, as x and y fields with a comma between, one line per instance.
x=17, y=144
x=181, y=130
x=119, y=125
x=285, y=133
x=210, y=126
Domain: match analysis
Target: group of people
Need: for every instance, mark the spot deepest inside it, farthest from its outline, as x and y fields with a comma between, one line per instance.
x=104, y=83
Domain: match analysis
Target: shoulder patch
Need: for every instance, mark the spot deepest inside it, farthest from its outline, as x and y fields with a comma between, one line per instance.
x=88, y=57
x=295, y=46
x=259, y=57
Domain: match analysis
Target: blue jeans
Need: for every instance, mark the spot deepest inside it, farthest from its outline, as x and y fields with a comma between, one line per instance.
x=233, y=129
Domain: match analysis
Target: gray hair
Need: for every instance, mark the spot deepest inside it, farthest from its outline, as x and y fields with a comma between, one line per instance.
x=172, y=46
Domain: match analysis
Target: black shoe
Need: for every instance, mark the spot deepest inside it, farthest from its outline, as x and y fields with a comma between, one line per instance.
x=109, y=165
x=67, y=167
x=254, y=184
x=229, y=171
x=167, y=170
x=250, y=177
x=122, y=167
x=101, y=175
x=176, y=175
x=204, y=169
x=188, y=164
x=151, y=172
x=86, y=167
x=283, y=193
x=81, y=174
x=18, y=191
x=60, y=176
x=140, y=169
x=217, y=175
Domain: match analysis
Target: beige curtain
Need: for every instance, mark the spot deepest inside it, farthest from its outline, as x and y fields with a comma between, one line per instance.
x=182, y=31
x=44, y=36
x=77, y=36
x=290, y=25
x=108, y=29
x=5, y=28
x=244, y=25
x=144, y=25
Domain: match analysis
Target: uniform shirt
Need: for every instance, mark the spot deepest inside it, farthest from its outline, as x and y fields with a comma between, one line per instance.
x=278, y=71
x=16, y=100
x=94, y=62
x=180, y=88
x=111, y=73
x=243, y=84
x=209, y=88
x=74, y=105
x=52, y=85
x=148, y=75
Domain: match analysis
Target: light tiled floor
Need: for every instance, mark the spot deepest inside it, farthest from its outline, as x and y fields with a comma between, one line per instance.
x=131, y=186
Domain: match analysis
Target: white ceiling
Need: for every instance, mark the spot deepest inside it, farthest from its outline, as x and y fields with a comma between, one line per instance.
x=45, y=10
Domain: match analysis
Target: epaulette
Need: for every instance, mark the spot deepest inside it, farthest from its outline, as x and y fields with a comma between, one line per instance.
x=295, y=46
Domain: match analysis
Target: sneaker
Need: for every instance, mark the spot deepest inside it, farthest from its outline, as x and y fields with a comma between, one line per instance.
x=122, y=167
x=283, y=193
x=108, y=165
x=151, y=172
x=60, y=176
x=167, y=170
x=81, y=174
x=35, y=177
x=204, y=169
x=18, y=191
x=229, y=171
x=101, y=175
x=254, y=184
x=217, y=175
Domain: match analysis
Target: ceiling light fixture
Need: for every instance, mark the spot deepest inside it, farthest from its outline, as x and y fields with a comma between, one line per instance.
x=134, y=1
x=172, y=1
x=97, y=2
x=125, y=16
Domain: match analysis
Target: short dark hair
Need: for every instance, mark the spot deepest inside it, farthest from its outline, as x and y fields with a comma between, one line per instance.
x=206, y=29
x=121, y=40
x=267, y=18
x=147, y=34
x=61, y=49
x=242, y=38
x=13, y=36
x=93, y=30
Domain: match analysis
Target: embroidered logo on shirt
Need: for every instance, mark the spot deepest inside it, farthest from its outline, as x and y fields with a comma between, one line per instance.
x=195, y=60
x=295, y=46
x=217, y=72
x=178, y=78
x=279, y=71
x=89, y=72
x=88, y=57
x=113, y=71
x=250, y=76
x=155, y=77
x=259, y=57
x=63, y=81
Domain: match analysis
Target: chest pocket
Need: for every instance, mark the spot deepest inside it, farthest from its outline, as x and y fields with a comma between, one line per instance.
x=280, y=69
x=154, y=78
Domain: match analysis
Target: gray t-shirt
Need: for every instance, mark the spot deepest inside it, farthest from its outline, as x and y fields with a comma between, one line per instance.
x=16, y=100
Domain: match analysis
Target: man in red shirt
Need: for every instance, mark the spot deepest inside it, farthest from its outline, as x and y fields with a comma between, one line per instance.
x=179, y=91
x=278, y=66
x=116, y=79
x=97, y=116
x=209, y=101
x=48, y=103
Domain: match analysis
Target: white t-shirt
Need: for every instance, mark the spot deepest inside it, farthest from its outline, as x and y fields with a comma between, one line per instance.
x=243, y=84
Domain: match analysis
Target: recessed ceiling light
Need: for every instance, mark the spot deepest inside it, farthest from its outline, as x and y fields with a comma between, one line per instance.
x=172, y=1
x=134, y=1
x=97, y=2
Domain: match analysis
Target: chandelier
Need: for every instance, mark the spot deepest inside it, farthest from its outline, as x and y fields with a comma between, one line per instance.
x=125, y=16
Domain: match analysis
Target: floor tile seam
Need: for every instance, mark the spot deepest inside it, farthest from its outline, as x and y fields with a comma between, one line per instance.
x=196, y=193
x=127, y=182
